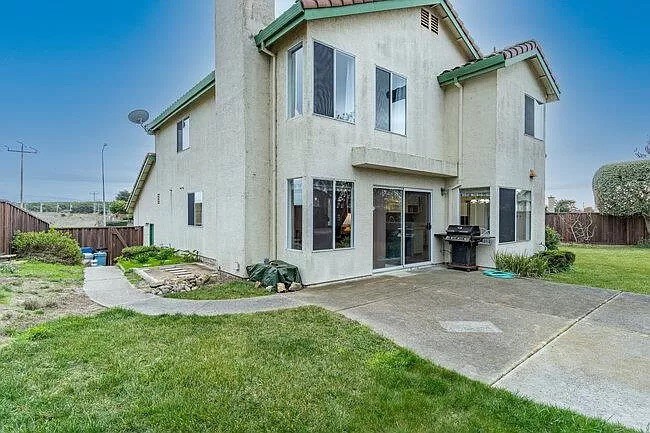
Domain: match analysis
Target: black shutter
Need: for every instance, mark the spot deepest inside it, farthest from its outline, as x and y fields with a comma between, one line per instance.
x=506, y=215
x=323, y=80
x=190, y=209
x=530, y=116
x=179, y=136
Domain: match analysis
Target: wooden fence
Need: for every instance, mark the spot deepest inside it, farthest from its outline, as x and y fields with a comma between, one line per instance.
x=14, y=219
x=111, y=239
x=602, y=229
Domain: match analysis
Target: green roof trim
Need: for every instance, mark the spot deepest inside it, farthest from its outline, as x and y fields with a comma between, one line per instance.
x=296, y=16
x=190, y=96
x=145, y=169
x=483, y=66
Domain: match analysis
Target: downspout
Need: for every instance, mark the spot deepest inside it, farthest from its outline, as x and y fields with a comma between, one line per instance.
x=273, y=152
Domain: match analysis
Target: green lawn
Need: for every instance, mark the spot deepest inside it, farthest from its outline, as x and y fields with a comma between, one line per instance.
x=619, y=268
x=303, y=370
x=49, y=272
x=127, y=265
x=231, y=290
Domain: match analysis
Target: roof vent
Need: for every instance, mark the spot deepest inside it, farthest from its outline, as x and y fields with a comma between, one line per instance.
x=429, y=20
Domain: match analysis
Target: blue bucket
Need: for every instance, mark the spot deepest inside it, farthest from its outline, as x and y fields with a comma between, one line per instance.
x=101, y=258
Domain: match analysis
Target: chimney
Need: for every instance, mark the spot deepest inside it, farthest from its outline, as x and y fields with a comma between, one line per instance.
x=241, y=170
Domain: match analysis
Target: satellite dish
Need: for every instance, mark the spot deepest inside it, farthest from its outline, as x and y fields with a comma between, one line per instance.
x=139, y=117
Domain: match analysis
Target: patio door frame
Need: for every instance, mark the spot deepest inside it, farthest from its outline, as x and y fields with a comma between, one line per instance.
x=403, y=229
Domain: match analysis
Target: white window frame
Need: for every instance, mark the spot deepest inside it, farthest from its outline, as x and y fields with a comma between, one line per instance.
x=334, y=87
x=352, y=206
x=542, y=130
x=295, y=96
x=390, y=105
x=290, y=216
x=530, y=226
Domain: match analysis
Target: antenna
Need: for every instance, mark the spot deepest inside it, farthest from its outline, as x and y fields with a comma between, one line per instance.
x=139, y=117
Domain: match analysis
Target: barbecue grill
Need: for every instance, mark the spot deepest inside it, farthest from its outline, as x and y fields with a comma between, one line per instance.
x=463, y=240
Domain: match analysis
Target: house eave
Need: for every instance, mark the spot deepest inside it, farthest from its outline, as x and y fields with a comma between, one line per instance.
x=203, y=86
x=141, y=180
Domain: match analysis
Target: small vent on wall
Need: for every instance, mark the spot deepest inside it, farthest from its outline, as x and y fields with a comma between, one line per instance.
x=429, y=20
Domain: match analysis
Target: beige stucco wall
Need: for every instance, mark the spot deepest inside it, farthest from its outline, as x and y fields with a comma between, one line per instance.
x=312, y=146
x=175, y=174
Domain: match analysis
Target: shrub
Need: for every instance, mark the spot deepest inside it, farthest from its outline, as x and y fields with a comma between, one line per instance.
x=524, y=266
x=129, y=253
x=552, y=239
x=643, y=243
x=144, y=254
x=558, y=261
x=50, y=247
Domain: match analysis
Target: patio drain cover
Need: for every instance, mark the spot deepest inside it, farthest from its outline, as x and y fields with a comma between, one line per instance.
x=468, y=326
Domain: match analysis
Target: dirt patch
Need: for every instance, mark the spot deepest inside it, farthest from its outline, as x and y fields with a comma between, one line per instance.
x=25, y=302
x=164, y=280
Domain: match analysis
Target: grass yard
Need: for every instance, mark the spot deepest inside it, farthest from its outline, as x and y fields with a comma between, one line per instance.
x=230, y=290
x=127, y=265
x=32, y=292
x=609, y=267
x=303, y=370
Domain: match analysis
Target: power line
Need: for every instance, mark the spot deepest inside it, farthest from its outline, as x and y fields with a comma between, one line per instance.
x=22, y=152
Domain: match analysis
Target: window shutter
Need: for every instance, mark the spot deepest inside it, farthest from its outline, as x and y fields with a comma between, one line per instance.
x=190, y=209
x=506, y=215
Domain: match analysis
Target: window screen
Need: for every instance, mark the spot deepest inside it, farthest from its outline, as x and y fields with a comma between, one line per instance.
x=295, y=214
x=506, y=215
x=295, y=80
x=343, y=203
x=524, y=213
x=323, y=80
x=190, y=209
x=530, y=116
x=382, y=100
x=323, y=228
x=183, y=135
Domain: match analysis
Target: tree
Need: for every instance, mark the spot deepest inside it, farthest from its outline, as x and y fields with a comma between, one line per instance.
x=565, y=205
x=123, y=195
x=118, y=207
x=623, y=189
x=643, y=153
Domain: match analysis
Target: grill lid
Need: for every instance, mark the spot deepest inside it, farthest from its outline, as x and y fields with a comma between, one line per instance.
x=464, y=230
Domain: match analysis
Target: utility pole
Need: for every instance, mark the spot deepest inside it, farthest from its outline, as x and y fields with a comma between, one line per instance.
x=22, y=152
x=103, y=185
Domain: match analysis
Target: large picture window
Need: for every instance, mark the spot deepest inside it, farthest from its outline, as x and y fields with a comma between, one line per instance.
x=183, y=135
x=475, y=208
x=333, y=214
x=334, y=83
x=390, y=102
x=195, y=209
x=295, y=81
x=535, y=114
x=295, y=214
x=515, y=211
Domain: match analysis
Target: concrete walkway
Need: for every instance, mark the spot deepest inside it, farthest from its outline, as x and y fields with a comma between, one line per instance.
x=108, y=287
x=577, y=347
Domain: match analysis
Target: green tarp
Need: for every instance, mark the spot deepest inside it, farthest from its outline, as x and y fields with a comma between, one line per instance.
x=274, y=272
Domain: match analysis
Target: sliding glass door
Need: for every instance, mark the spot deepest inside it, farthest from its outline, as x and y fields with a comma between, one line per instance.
x=401, y=227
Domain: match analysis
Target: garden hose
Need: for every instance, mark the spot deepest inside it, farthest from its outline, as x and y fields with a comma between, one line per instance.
x=499, y=274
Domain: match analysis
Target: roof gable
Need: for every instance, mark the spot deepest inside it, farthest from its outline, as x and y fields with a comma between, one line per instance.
x=525, y=51
x=143, y=175
x=310, y=10
x=190, y=96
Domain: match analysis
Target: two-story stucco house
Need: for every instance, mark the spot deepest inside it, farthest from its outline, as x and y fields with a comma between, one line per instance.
x=341, y=136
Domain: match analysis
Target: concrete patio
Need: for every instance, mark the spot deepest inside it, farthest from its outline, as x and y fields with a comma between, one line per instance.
x=576, y=347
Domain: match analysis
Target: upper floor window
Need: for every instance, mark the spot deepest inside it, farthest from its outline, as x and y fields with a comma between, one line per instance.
x=334, y=85
x=535, y=118
x=390, y=104
x=195, y=209
x=294, y=84
x=183, y=135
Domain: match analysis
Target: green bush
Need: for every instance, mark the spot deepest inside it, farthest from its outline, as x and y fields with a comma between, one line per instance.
x=643, y=243
x=557, y=260
x=145, y=254
x=524, y=266
x=50, y=247
x=552, y=239
x=129, y=253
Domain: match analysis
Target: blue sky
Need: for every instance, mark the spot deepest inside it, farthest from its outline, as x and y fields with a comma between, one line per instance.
x=70, y=71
